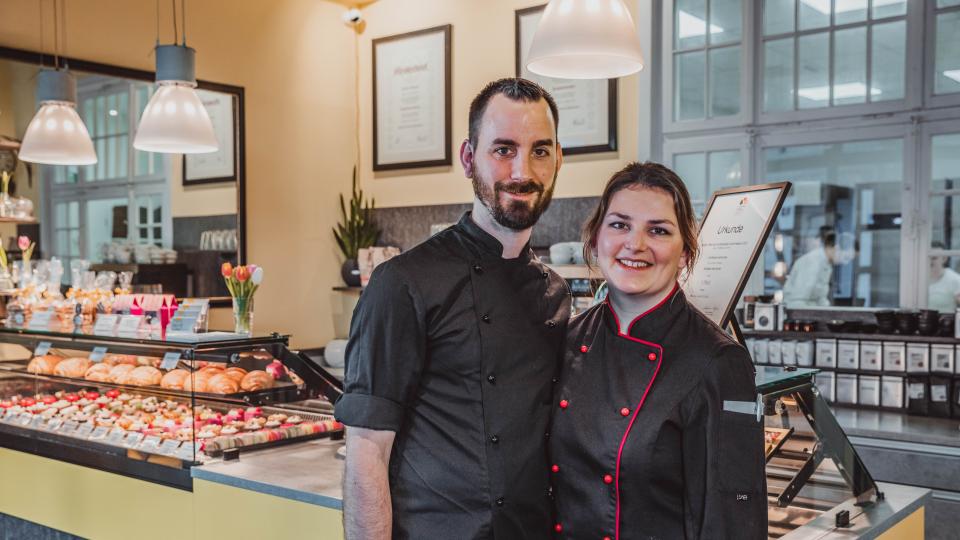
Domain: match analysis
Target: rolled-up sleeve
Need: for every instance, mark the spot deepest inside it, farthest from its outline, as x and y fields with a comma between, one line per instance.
x=385, y=353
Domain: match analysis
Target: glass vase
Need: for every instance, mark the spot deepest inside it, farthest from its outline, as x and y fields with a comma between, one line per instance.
x=243, y=315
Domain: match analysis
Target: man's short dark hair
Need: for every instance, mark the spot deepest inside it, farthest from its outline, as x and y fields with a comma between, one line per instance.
x=516, y=89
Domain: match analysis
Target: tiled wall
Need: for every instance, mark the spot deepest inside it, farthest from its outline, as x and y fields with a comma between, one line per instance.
x=408, y=226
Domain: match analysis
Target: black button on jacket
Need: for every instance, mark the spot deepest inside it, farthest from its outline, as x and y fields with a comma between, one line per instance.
x=449, y=348
x=641, y=445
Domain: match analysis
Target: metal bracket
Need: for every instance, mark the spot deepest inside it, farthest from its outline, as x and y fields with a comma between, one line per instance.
x=800, y=478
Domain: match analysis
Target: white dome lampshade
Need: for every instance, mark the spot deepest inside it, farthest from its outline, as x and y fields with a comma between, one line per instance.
x=175, y=120
x=56, y=135
x=585, y=39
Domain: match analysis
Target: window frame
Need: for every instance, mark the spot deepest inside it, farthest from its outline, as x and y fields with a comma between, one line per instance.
x=932, y=100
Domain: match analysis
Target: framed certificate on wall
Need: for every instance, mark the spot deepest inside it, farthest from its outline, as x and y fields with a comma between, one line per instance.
x=411, y=100
x=588, y=107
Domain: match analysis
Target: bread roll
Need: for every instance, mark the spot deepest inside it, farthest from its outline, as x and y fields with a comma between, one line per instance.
x=98, y=373
x=118, y=372
x=117, y=359
x=222, y=384
x=235, y=373
x=144, y=376
x=43, y=365
x=198, y=381
x=256, y=380
x=148, y=361
x=174, y=379
x=73, y=367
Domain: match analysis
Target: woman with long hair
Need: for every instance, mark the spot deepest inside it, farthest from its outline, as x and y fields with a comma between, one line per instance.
x=647, y=438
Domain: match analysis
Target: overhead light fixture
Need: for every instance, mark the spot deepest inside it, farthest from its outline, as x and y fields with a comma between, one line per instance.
x=175, y=120
x=585, y=39
x=56, y=135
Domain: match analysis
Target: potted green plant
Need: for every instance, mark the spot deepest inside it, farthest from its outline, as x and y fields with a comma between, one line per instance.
x=356, y=230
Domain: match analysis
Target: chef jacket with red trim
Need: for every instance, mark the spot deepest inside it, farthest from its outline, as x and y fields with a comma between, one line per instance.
x=641, y=444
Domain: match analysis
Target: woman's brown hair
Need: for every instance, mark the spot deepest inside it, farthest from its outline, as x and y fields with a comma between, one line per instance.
x=651, y=176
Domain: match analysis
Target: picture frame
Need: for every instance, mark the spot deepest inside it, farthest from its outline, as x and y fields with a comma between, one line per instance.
x=220, y=166
x=588, y=108
x=411, y=100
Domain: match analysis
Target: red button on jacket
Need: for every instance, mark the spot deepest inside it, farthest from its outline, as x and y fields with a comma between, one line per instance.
x=555, y=468
x=652, y=356
x=607, y=479
x=563, y=404
x=583, y=348
x=624, y=412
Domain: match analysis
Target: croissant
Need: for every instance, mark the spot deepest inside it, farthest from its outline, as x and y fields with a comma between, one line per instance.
x=144, y=376
x=256, y=380
x=222, y=384
x=197, y=382
x=73, y=367
x=119, y=372
x=98, y=373
x=116, y=359
x=44, y=365
x=174, y=379
x=235, y=373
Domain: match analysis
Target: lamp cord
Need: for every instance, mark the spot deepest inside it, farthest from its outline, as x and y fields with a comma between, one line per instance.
x=356, y=94
x=183, y=21
x=63, y=29
x=158, y=23
x=174, y=2
x=56, y=37
x=42, y=44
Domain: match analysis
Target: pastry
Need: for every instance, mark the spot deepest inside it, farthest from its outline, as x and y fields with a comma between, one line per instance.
x=174, y=379
x=73, y=367
x=144, y=376
x=98, y=373
x=119, y=372
x=116, y=359
x=197, y=382
x=222, y=384
x=256, y=380
x=44, y=365
x=235, y=373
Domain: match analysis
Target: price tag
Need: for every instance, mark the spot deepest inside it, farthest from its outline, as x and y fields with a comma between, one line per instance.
x=42, y=348
x=69, y=427
x=54, y=424
x=129, y=324
x=150, y=444
x=116, y=436
x=97, y=354
x=170, y=360
x=106, y=324
x=133, y=439
x=84, y=430
x=169, y=447
x=40, y=320
x=186, y=451
x=100, y=432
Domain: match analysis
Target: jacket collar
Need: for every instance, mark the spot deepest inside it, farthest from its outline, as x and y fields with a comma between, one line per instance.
x=486, y=245
x=651, y=325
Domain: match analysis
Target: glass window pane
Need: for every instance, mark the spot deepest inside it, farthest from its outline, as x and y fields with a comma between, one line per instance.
x=157, y=235
x=947, y=64
x=100, y=127
x=946, y=3
x=725, y=19
x=814, y=14
x=945, y=166
x=690, y=23
x=814, y=59
x=845, y=226
x=692, y=169
x=778, y=75
x=74, y=242
x=945, y=220
x=143, y=233
x=849, y=11
x=689, y=86
x=105, y=223
x=60, y=215
x=725, y=81
x=112, y=114
x=63, y=243
x=888, y=8
x=73, y=214
x=777, y=16
x=888, y=61
x=850, y=66
x=724, y=170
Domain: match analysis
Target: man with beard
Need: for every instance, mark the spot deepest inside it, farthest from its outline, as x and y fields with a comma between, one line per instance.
x=454, y=347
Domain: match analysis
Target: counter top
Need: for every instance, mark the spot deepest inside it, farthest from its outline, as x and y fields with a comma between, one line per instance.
x=898, y=426
x=309, y=472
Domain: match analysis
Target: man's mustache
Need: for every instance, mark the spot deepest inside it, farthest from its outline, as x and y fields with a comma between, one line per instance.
x=519, y=187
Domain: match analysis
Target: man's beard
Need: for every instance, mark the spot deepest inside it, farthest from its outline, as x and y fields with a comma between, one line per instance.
x=513, y=214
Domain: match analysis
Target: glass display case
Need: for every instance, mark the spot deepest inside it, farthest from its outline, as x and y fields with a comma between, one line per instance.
x=153, y=408
x=811, y=465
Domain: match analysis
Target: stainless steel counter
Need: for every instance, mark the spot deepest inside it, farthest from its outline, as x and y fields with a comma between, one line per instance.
x=865, y=523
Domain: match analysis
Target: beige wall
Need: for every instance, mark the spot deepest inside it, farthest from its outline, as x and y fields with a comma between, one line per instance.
x=295, y=59
x=201, y=200
x=483, y=50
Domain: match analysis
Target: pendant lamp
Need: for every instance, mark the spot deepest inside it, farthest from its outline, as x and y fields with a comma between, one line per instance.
x=56, y=135
x=175, y=120
x=585, y=39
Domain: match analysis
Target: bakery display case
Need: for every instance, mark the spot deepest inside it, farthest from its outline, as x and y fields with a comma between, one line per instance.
x=811, y=466
x=154, y=408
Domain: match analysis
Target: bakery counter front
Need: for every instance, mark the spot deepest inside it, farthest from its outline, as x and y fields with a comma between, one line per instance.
x=87, y=418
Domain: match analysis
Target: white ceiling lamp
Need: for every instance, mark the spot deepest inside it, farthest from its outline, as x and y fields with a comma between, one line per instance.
x=56, y=135
x=175, y=120
x=585, y=39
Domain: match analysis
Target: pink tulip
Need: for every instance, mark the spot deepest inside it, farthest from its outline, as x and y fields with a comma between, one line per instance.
x=23, y=242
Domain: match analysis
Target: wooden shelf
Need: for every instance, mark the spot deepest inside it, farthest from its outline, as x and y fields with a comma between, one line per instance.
x=18, y=221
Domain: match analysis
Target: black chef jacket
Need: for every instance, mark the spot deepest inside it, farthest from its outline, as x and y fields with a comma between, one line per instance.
x=641, y=443
x=455, y=349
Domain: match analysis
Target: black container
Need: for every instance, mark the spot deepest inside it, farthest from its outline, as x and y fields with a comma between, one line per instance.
x=946, y=324
x=836, y=325
x=918, y=386
x=907, y=322
x=852, y=327
x=886, y=321
x=940, y=392
x=956, y=398
x=868, y=328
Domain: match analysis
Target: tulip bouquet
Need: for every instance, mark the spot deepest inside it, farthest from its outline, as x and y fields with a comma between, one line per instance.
x=242, y=282
x=26, y=247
